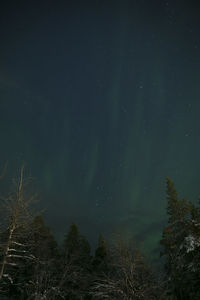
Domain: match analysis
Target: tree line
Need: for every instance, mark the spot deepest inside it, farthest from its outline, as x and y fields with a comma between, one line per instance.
x=34, y=266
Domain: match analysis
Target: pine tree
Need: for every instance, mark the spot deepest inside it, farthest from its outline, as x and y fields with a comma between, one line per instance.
x=44, y=245
x=174, y=240
x=42, y=276
x=76, y=247
x=76, y=261
x=100, y=262
x=191, y=255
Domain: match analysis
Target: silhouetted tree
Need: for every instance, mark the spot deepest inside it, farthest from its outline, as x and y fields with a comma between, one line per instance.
x=14, y=251
x=43, y=274
x=100, y=261
x=180, y=243
x=129, y=277
x=76, y=262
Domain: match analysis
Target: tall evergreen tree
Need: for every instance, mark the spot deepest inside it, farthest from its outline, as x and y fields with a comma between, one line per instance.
x=76, y=247
x=175, y=237
x=76, y=271
x=43, y=243
x=43, y=274
x=100, y=261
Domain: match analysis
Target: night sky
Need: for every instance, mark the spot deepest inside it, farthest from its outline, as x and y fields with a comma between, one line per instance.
x=101, y=99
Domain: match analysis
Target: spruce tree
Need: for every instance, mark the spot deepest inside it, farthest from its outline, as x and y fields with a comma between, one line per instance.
x=41, y=275
x=43, y=243
x=76, y=271
x=175, y=236
x=76, y=247
x=100, y=261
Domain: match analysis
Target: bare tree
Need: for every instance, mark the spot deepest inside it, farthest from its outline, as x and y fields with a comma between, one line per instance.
x=16, y=211
x=129, y=278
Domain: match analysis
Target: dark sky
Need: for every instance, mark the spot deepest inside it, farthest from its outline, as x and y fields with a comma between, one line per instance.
x=101, y=99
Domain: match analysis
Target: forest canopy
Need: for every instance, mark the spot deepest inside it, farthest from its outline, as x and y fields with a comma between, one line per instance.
x=34, y=266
